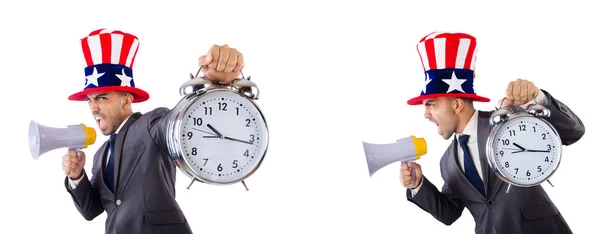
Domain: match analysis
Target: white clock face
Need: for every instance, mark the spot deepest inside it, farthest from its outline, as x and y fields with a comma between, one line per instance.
x=526, y=150
x=224, y=137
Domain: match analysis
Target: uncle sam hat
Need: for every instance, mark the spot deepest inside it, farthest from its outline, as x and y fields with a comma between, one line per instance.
x=109, y=57
x=448, y=60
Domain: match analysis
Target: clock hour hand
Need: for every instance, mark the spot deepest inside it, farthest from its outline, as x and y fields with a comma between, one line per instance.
x=233, y=139
x=518, y=146
x=215, y=130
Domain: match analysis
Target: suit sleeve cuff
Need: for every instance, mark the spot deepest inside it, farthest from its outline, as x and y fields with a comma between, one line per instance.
x=74, y=183
x=414, y=191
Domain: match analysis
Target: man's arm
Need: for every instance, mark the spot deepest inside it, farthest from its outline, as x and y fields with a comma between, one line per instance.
x=441, y=205
x=85, y=196
x=567, y=123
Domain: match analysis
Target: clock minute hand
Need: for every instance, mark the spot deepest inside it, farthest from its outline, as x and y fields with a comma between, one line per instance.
x=233, y=139
x=544, y=151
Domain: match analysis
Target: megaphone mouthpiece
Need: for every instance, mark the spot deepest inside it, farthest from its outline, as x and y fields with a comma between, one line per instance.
x=43, y=138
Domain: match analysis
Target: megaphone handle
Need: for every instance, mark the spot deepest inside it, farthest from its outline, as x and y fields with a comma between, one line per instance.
x=412, y=171
x=76, y=150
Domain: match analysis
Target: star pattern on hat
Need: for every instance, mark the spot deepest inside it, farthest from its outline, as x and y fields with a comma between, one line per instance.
x=93, y=78
x=454, y=83
x=125, y=80
x=427, y=80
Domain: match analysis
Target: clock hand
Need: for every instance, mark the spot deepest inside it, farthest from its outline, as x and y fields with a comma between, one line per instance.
x=200, y=130
x=215, y=130
x=544, y=151
x=233, y=139
x=520, y=147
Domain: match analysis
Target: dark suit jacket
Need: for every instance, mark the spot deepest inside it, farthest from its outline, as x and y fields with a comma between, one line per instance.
x=144, y=197
x=523, y=210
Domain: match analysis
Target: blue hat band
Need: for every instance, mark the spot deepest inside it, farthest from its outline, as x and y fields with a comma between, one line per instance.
x=444, y=81
x=102, y=75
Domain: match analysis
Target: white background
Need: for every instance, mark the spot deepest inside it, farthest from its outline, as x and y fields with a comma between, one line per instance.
x=331, y=74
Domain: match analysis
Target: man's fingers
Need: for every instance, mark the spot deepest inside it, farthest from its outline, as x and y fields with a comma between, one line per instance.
x=525, y=91
x=214, y=53
x=516, y=93
x=240, y=62
x=224, y=54
x=232, y=61
x=509, y=90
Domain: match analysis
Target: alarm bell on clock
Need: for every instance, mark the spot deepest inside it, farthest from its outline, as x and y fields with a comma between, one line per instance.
x=523, y=148
x=503, y=112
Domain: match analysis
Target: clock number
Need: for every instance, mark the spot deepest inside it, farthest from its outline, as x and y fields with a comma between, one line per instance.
x=237, y=111
x=516, y=170
x=205, y=161
x=512, y=132
x=219, y=168
x=546, y=159
x=246, y=153
x=190, y=134
x=505, y=142
x=533, y=128
x=194, y=151
x=549, y=147
x=235, y=165
x=251, y=137
x=506, y=164
x=207, y=110
x=222, y=106
x=543, y=136
x=247, y=122
x=198, y=121
x=539, y=168
x=501, y=152
x=528, y=173
x=522, y=127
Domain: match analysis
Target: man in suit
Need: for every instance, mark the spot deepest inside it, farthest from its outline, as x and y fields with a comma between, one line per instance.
x=132, y=176
x=448, y=60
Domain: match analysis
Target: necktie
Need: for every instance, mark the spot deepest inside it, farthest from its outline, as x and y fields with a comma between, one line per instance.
x=470, y=170
x=110, y=165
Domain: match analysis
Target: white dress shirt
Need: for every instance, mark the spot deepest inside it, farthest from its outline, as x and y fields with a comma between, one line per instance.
x=471, y=130
x=74, y=183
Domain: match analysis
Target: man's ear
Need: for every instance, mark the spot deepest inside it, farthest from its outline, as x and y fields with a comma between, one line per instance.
x=458, y=104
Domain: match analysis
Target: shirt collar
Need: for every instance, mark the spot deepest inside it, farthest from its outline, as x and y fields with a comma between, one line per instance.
x=122, y=123
x=471, y=128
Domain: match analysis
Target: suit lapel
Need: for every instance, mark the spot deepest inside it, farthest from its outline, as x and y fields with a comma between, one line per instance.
x=458, y=170
x=483, y=130
x=119, y=142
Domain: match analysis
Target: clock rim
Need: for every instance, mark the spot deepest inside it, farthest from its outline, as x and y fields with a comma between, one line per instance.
x=490, y=156
x=174, y=135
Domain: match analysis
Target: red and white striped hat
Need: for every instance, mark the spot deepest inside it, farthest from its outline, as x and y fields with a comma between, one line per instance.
x=448, y=60
x=109, y=57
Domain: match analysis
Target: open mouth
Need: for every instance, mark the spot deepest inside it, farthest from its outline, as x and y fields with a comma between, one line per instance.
x=100, y=121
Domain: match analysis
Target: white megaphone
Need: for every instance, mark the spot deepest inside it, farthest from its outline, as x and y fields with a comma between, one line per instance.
x=43, y=139
x=407, y=149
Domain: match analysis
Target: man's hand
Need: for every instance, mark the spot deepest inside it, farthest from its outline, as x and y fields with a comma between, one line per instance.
x=520, y=92
x=407, y=176
x=72, y=164
x=222, y=64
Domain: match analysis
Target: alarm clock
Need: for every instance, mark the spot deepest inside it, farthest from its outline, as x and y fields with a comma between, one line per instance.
x=217, y=134
x=523, y=148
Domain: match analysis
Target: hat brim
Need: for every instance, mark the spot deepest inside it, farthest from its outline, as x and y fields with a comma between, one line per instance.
x=138, y=94
x=419, y=100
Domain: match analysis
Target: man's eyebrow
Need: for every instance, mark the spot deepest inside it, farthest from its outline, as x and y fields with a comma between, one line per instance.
x=97, y=96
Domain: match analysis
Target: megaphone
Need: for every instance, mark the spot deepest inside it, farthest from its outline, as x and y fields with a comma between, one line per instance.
x=43, y=138
x=406, y=149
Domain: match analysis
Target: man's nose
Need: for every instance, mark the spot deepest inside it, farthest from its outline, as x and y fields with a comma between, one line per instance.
x=94, y=107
